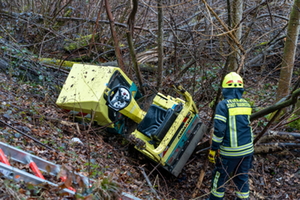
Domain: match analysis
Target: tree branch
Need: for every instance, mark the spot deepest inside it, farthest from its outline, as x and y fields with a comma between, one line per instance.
x=114, y=35
x=273, y=147
x=231, y=35
x=280, y=105
x=129, y=34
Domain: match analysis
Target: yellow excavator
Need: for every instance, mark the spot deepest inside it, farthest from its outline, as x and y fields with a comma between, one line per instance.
x=167, y=132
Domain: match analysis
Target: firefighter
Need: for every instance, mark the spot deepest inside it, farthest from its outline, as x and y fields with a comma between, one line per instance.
x=232, y=141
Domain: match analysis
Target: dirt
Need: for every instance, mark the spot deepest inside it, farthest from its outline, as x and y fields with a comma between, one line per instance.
x=31, y=109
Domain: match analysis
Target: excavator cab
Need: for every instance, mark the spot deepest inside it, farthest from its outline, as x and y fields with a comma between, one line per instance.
x=84, y=95
x=167, y=132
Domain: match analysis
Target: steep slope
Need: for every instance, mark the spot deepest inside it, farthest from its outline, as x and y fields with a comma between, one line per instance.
x=109, y=159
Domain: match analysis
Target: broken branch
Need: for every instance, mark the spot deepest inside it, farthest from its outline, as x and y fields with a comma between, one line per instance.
x=273, y=147
x=277, y=106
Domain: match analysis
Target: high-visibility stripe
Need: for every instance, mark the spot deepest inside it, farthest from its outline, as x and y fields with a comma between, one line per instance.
x=238, y=148
x=242, y=195
x=221, y=118
x=216, y=179
x=218, y=194
x=240, y=153
x=217, y=139
x=215, y=186
x=252, y=137
x=239, y=111
x=233, y=131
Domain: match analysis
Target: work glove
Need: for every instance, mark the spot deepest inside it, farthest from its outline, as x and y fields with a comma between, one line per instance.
x=212, y=156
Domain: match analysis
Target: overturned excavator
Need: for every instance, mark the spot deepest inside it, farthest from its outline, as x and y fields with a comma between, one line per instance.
x=167, y=132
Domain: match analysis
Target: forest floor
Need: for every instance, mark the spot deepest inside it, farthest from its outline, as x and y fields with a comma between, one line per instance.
x=31, y=109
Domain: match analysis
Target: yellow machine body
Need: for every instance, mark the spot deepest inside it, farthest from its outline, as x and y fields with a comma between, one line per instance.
x=167, y=132
x=84, y=93
x=174, y=147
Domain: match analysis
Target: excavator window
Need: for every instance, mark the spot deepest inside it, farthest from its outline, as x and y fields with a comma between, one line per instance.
x=117, y=79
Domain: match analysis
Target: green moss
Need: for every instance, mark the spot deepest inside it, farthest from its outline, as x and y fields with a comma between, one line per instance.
x=52, y=61
x=79, y=42
x=294, y=124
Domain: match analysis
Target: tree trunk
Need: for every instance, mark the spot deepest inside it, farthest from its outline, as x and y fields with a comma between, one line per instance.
x=288, y=59
x=235, y=9
x=160, y=50
x=228, y=31
x=129, y=35
x=114, y=35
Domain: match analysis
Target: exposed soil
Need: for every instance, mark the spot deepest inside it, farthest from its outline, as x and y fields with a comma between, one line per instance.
x=32, y=110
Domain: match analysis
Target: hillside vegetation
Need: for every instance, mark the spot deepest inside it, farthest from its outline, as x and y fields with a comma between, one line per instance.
x=40, y=40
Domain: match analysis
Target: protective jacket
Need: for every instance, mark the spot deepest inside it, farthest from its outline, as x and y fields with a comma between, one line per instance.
x=232, y=131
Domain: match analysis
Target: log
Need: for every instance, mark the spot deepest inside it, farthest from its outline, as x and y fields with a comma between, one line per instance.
x=58, y=62
x=286, y=101
x=268, y=138
x=274, y=147
x=293, y=134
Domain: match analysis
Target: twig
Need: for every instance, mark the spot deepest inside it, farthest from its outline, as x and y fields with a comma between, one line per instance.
x=225, y=27
x=211, y=130
x=292, y=98
x=283, y=124
x=204, y=149
x=149, y=183
x=202, y=172
x=267, y=126
x=34, y=139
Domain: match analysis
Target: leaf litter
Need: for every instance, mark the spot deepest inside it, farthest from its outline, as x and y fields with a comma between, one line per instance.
x=112, y=162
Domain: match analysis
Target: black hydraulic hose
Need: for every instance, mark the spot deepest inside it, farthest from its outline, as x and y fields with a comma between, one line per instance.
x=34, y=139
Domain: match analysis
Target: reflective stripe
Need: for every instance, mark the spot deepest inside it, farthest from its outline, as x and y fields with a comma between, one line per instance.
x=218, y=194
x=239, y=111
x=217, y=139
x=242, y=195
x=252, y=137
x=233, y=132
x=221, y=118
x=215, y=186
x=239, y=148
x=240, y=153
x=216, y=179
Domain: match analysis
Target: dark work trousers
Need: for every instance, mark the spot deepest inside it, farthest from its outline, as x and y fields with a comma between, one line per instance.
x=235, y=168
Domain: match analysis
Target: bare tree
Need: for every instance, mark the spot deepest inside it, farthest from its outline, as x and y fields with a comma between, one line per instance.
x=289, y=51
x=235, y=13
x=114, y=35
x=160, y=50
x=129, y=34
